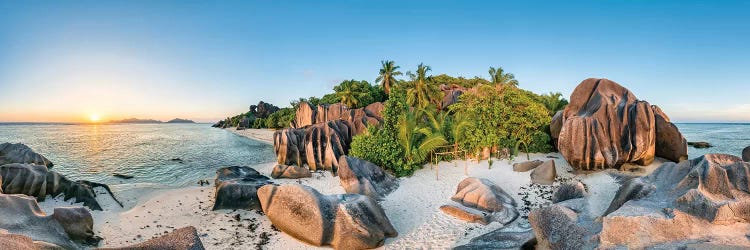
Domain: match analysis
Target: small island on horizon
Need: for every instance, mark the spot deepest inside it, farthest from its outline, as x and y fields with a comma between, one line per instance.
x=149, y=121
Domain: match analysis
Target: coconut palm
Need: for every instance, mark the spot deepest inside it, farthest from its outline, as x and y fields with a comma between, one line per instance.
x=420, y=94
x=417, y=141
x=387, y=75
x=499, y=77
x=350, y=93
x=554, y=102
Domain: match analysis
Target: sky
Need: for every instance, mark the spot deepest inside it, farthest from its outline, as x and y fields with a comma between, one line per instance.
x=63, y=61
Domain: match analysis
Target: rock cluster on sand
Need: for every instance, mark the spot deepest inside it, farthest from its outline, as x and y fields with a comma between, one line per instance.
x=485, y=196
x=360, y=118
x=362, y=177
x=67, y=227
x=545, y=173
x=526, y=165
x=605, y=126
x=290, y=172
x=347, y=221
x=705, y=199
x=20, y=153
x=318, y=146
x=38, y=181
x=185, y=238
x=237, y=188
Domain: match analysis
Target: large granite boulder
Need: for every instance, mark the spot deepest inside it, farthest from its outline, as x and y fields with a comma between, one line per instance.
x=705, y=199
x=70, y=229
x=185, y=238
x=290, y=172
x=237, y=188
x=746, y=154
x=451, y=95
x=263, y=109
x=545, y=173
x=484, y=195
x=363, y=177
x=359, y=119
x=318, y=146
x=605, y=126
x=38, y=181
x=555, y=126
x=20, y=153
x=348, y=221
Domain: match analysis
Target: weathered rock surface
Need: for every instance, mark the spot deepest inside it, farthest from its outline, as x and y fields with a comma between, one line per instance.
x=464, y=214
x=746, y=154
x=237, y=188
x=67, y=227
x=263, y=109
x=699, y=144
x=526, y=166
x=38, y=181
x=318, y=146
x=307, y=115
x=362, y=177
x=20, y=153
x=555, y=126
x=545, y=173
x=450, y=95
x=705, y=199
x=348, y=221
x=185, y=238
x=501, y=238
x=605, y=126
x=290, y=172
x=484, y=195
x=569, y=191
x=22, y=242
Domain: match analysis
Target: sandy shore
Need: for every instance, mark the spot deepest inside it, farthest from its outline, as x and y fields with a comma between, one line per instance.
x=413, y=208
x=262, y=135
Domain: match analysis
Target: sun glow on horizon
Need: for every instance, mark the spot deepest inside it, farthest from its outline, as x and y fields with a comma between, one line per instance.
x=94, y=117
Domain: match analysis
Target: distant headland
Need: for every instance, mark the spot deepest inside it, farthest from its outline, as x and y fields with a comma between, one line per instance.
x=149, y=121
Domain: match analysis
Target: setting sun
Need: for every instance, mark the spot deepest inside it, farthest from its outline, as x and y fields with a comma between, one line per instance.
x=94, y=117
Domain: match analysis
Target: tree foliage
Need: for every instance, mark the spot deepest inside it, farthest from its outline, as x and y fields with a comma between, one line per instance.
x=387, y=75
x=499, y=77
x=553, y=102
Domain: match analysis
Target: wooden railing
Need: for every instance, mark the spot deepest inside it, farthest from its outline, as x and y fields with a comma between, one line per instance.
x=453, y=150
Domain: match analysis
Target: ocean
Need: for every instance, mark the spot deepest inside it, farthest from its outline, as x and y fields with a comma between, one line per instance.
x=148, y=152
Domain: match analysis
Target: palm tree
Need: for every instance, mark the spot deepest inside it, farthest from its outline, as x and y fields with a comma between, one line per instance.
x=350, y=93
x=386, y=76
x=554, y=102
x=421, y=93
x=417, y=141
x=499, y=77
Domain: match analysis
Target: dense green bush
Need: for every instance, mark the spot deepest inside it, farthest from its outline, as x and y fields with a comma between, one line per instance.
x=281, y=118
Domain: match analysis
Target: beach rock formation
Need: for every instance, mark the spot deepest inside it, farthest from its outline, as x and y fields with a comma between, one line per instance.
x=705, y=199
x=359, y=119
x=484, y=195
x=605, y=126
x=526, y=165
x=464, y=214
x=555, y=126
x=348, y=221
x=185, y=238
x=318, y=146
x=450, y=95
x=363, y=177
x=22, y=242
x=502, y=238
x=545, y=173
x=38, y=181
x=746, y=154
x=20, y=153
x=263, y=109
x=237, y=188
x=569, y=191
x=290, y=172
x=67, y=228
x=699, y=144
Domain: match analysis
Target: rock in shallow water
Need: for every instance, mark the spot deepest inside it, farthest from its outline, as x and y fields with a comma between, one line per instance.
x=20, y=153
x=746, y=154
x=237, y=188
x=348, y=221
x=699, y=144
x=605, y=126
x=362, y=177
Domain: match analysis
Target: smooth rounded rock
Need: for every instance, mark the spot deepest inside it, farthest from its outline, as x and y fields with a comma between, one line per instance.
x=545, y=173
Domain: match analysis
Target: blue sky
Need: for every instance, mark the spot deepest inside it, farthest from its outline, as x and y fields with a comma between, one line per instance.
x=62, y=61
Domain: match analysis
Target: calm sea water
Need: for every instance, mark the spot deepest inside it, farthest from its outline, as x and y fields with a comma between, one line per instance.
x=727, y=138
x=145, y=151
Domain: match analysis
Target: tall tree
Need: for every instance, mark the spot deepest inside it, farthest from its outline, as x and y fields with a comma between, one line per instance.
x=420, y=94
x=417, y=140
x=499, y=77
x=352, y=93
x=387, y=74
